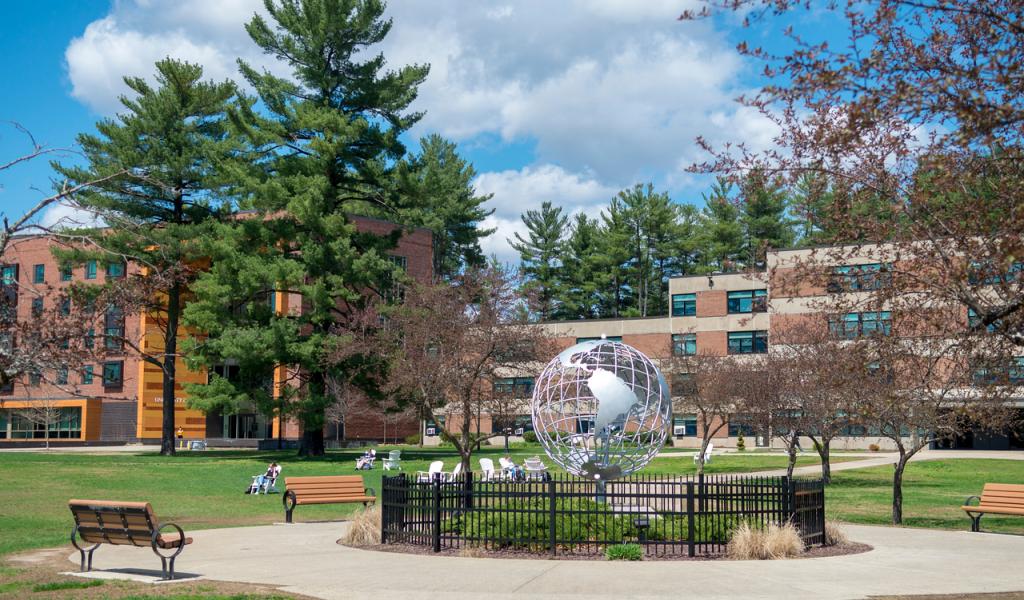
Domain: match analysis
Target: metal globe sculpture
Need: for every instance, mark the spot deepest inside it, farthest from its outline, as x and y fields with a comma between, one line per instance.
x=601, y=409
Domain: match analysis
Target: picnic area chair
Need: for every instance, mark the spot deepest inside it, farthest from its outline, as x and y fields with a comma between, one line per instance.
x=264, y=483
x=454, y=475
x=124, y=524
x=365, y=462
x=393, y=461
x=707, y=455
x=436, y=468
x=487, y=467
x=535, y=469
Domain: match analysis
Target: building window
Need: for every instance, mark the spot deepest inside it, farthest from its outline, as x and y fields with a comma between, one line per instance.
x=90, y=339
x=90, y=270
x=747, y=301
x=113, y=373
x=65, y=274
x=62, y=376
x=39, y=274
x=684, y=425
x=34, y=378
x=974, y=321
x=87, y=375
x=854, y=325
x=740, y=424
x=860, y=278
x=684, y=305
x=748, y=342
x=65, y=307
x=37, y=307
x=517, y=387
x=9, y=274
x=684, y=344
x=1011, y=374
x=682, y=384
x=113, y=329
x=984, y=273
x=608, y=338
x=116, y=270
x=66, y=424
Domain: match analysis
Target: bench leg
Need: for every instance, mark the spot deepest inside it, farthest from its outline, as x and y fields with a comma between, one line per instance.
x=288, y=515
x=86, y=559
x=976, y=522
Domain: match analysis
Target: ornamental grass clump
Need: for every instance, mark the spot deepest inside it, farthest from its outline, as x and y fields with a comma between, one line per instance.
x=771, y=543
x=624, y=552
x=364, y=529
x=834, y=534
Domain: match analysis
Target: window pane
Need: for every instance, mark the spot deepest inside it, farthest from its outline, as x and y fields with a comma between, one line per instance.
x=684, y=305
x=39, y=274
x=90, y=270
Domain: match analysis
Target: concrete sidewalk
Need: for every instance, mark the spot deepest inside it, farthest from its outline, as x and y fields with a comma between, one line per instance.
x=304, y=558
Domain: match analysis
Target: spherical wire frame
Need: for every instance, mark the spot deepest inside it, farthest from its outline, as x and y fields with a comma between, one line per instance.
x=562, y=399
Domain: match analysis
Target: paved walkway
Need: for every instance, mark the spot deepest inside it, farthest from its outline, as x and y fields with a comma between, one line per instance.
x=888, y=458
x=304, y=558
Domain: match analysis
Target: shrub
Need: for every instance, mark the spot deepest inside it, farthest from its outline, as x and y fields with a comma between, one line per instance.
x=834, y=534
x=529, y=437
x=771, y=543
x=624, y=552
x=365, y=528
x=873, y=447
x=741, y=445
x=413, y=440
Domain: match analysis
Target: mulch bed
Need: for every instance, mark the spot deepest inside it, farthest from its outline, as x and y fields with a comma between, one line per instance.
x=815, y=552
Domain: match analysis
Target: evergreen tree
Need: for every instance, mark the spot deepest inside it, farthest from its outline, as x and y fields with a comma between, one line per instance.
x=541, y=255
x=813, y=199
x=583, y=281
x=720, y=239
x=619, y=298
x=322, y=146
x=171, y=140
x=766, y=223
x=437, y=193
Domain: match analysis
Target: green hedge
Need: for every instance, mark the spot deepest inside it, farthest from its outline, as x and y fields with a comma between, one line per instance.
x=576, y=521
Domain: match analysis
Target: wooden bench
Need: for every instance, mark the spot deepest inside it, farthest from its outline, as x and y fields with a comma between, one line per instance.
x=339, y=489
x=997, y=499
x=124, y=524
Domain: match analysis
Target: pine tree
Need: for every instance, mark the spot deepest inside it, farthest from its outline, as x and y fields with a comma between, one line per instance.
x=583, y=280
x=619, y=298
x=542, y=254
x=171, y=139
x=322, y=146
x=437, y=193
x=765, y=219
x=720, y=239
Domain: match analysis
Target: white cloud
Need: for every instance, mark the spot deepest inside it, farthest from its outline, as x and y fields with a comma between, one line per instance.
x=66, y=216
x=516, y=191
x=607, y=92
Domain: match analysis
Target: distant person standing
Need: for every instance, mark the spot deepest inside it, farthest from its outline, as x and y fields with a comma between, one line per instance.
x=181, y=437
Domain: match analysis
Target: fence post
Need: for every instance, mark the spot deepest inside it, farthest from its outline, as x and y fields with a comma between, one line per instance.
x=437, y=514
x=691, y=548
x=383, y=510
x=552, y=537
x=789, y=511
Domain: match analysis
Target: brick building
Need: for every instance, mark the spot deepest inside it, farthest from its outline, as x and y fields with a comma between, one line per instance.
x=121, y=400
x=736, y=314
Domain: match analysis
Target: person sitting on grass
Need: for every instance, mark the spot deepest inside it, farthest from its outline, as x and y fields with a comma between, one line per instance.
x=365, y=462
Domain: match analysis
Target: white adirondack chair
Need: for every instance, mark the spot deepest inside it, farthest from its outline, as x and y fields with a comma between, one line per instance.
x=436, y=468
x=535, y=469
x=455, y=472
x=707, y=455
x=487, y=467
x=393, y=461
x=507, y=468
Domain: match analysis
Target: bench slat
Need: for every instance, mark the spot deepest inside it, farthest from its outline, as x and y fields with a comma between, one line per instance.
x=1005, y=487
x=335, y=500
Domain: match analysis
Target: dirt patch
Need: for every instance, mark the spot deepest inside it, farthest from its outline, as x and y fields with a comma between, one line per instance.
x=477, y=552
x=37, y=574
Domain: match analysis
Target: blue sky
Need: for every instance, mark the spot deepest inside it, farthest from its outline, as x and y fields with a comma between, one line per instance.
x=568, y=101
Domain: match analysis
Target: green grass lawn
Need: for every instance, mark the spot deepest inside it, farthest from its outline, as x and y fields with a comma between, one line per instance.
x=205, y=489
x=933, y=492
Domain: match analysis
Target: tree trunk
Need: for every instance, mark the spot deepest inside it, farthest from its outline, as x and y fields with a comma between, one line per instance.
x=168, y=368
x=312, y=443
x=897, y=488
x=823, y=452
x=703, y=453
x=280, y=425
x=792, y=457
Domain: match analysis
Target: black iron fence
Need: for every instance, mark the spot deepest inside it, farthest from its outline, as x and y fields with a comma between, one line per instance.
x=667, y=515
